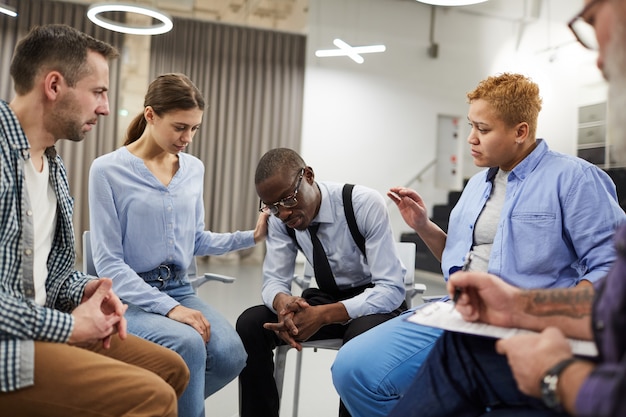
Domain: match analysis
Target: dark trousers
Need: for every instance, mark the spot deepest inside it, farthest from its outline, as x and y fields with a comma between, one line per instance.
x=257, y=387
x=464, y=376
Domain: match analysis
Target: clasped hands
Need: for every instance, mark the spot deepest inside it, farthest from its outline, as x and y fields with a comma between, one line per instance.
x=297, y=321
x=99, y=316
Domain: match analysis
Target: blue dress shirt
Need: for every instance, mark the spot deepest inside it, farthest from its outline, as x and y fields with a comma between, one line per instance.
x=558, y=221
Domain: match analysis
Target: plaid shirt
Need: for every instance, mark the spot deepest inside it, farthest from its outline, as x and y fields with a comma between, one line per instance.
x=22, y=321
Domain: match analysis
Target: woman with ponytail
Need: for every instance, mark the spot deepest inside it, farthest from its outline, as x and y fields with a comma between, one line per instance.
x=147, y=224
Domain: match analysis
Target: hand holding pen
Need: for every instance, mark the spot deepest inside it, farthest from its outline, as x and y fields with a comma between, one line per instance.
x=465, y=267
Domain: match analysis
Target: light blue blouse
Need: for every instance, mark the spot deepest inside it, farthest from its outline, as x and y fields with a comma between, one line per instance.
x=137, y=223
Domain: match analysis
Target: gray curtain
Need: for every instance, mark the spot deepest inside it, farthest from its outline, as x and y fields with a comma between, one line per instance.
x=77, y=156
x=253, y=83
x=252, y=80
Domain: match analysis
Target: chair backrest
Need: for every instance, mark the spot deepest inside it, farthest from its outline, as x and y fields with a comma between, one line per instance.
x=406, y=252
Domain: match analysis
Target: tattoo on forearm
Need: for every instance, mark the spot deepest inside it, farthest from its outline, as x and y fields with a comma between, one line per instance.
x=574, y=303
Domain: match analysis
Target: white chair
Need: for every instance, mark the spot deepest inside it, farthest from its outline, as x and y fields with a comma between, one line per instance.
x=406, y=252
x=90, y=269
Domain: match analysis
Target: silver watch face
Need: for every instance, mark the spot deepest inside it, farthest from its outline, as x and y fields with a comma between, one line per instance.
x=548, y=391
x=550, y=382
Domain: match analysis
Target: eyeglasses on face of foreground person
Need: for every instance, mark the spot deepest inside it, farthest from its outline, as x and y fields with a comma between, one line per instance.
x=581, y=25
x=287, y=202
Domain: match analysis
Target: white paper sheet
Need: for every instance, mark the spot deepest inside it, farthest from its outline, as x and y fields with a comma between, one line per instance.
x=443, y=316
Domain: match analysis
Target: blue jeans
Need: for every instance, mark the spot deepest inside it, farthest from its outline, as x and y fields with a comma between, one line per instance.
x=372, y=371
x=211, y=365
x=465, y=377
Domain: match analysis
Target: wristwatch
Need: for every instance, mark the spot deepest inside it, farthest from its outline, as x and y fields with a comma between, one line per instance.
x=549, y=384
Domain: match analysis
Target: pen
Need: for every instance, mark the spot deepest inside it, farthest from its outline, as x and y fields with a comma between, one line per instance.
x=465, y=267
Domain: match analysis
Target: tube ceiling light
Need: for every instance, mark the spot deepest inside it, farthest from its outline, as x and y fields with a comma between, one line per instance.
x=93, y=13
x=351, y=51
x=8, y=10
x=451, y=2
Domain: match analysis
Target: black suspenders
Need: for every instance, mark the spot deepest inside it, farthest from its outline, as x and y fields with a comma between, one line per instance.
x=348, y=209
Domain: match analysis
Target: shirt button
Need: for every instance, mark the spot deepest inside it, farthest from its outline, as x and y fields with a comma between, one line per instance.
x=29, y=212
x=599, y=325
x=28, y=252
x=29, y=292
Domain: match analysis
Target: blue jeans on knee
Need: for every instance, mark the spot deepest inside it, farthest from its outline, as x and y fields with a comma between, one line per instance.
x=211, y=365
x=464, y=376
x=372, y=371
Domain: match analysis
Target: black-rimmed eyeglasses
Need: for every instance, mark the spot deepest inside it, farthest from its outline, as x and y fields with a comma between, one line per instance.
x=287, y=202
x=582, y=26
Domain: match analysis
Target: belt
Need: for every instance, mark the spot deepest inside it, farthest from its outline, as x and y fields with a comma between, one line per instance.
x=162, y=273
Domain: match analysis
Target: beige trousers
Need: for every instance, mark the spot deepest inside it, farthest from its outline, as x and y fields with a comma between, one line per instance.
x=133, y=377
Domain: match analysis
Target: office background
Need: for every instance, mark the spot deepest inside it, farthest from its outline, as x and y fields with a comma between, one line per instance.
x=374, y=123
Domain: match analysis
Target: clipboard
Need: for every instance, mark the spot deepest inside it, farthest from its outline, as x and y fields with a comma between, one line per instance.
x=443, y=316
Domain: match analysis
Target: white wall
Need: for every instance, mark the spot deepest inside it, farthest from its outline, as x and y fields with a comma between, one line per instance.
x=375, y=123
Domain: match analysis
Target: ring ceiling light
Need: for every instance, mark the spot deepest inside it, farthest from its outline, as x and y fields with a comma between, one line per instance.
x=93, y=13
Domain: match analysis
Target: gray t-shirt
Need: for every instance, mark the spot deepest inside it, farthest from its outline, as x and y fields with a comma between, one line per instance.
x=487, y=223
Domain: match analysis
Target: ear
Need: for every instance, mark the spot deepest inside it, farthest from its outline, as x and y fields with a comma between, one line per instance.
x=53, y=84
x=521, y=132
x=148, y=114
x=309, y=175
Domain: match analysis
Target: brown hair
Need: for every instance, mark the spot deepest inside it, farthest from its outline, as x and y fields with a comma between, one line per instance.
x=168, y=92
x=513, y=96
x=275, y=160
x=54, y=48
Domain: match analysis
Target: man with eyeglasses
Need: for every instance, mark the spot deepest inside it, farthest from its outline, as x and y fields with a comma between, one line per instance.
x=363, y=287
x=537, y=374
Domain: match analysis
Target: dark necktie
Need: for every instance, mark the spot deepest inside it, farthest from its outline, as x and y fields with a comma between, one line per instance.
x=323, y=274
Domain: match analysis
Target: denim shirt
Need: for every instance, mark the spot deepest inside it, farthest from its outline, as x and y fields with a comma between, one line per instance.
x=556, y=225
x=602, y=393
x=22, y=321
